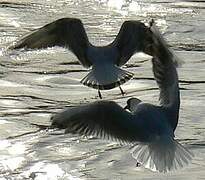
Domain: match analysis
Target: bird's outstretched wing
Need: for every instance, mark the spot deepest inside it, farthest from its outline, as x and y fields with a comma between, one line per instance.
x=65, y=32
x=104, y=119
x=164, y=68
x=133, y=37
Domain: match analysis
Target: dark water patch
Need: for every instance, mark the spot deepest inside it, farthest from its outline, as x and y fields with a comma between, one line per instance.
x=185, y=89
x=51, y=71
x=44, y=85
x=6, y=4
x=195, y=1
x=30, y=97
x=161, y=2
x=184, y=31
x=139, y=62
x=202, y=145
x=132, y=65
x=28, y=111
x=70, y=63
x=41, y=127
x=9, y=98
x=200, y=61
x=144, y=78
x=11, y=64
x=192, y=82
x=188, y=47
x=23, y=6
x=187, y=139
x=180, y=81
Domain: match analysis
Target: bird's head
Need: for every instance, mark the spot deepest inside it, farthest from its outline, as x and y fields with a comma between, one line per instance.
x=132, y=103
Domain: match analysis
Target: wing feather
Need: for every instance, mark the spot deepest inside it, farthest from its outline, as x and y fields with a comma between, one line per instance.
x=133, y=37
x=101, y=118
x=164, y=68
x=65, y=32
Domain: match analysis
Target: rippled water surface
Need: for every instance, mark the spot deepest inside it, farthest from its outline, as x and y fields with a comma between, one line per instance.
x=35, y=84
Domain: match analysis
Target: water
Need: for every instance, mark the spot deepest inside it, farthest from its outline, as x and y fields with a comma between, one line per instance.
x=35, y=84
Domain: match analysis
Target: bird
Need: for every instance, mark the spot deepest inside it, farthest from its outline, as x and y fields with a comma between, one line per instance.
x=149, y=128
x=104, y=61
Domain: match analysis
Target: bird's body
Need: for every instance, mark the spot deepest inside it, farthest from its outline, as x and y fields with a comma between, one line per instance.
x=150, y=126
x=105, y=61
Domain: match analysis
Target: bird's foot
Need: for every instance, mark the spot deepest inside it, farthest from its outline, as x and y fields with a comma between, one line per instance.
x=122, y=92
x=99, y=94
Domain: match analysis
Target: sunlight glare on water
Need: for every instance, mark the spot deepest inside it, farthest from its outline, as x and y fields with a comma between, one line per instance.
x=36, y=84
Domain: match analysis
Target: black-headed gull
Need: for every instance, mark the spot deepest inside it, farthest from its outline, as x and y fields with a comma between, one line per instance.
x=105, y=61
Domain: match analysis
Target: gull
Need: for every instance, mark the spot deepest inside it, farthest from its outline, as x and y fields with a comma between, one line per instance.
x=104, y=61
x=149, y=127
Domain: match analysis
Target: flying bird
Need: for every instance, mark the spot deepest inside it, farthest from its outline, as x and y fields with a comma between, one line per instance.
x=149, y=127
x=104, y=61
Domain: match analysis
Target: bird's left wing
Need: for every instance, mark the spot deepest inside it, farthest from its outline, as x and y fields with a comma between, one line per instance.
x=104, y=119
x=133, y=37
x=164, y=63
x=65, y=32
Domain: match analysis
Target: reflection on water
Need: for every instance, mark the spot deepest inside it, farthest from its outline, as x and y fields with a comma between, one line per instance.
x=35, y=84
x=42, y=170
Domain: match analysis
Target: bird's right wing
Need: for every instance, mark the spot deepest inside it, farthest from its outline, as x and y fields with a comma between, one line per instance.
x=101, y=119
x=65, y=32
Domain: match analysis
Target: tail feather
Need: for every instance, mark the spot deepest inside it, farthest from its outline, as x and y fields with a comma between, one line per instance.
x=162, y=155
x=106, y=78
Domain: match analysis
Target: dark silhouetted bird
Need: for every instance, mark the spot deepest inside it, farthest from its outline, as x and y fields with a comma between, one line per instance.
x=105, y=61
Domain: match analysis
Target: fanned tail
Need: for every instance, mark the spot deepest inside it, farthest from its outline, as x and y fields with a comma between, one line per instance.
x=163, y=155
x=104, y=78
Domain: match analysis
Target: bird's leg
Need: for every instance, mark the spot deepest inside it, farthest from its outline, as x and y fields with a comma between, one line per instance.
x=99, y=94
x=122, y=92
